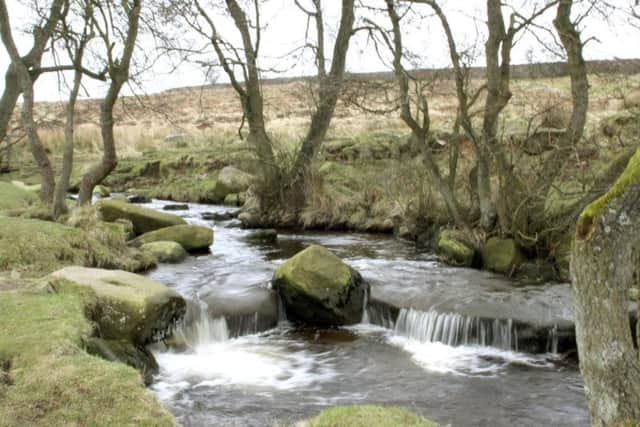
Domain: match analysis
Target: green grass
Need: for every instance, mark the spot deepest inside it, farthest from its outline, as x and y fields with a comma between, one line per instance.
x=38, y=247
x=13, y=197
x=366, y=416
x=46, y=378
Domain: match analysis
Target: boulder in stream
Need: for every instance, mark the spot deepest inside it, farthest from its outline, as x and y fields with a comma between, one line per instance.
x=143, y=219
x=501, y=255
x=165, y=251
x=232, y=180
x=455, y=250
x=128, y=306
x=176, y=207
x=190, y=237
x=318, y=288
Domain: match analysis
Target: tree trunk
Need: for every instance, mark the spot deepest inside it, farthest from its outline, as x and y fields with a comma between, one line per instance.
x=330, y=87
x=605, y=263
x=26, y=85
x=119, y=74
x=60, y=199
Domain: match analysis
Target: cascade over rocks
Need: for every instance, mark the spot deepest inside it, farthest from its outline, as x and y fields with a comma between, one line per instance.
x=318, y=288
x=129, y=307
x=190, y=237
x=143, y=219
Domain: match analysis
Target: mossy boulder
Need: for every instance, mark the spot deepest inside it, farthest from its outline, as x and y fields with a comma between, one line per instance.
x=15, y=197
x=190, y=237
x=232, y=180
x=235, y=199
x=138, y=357
x=128, y=306
x=165, y=251
x=144, y=220
x=318, y=288
x=454, y=250
x=501, y=255
x=536, y=272
x=102, y=191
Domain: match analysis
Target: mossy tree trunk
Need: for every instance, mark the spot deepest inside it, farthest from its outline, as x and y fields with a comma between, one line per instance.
x=605, y=264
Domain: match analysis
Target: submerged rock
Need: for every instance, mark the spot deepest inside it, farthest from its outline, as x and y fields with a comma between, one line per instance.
x=190, y=237
x=220, y=216
x=267, y=235
x=501, y=255
x=176, y=207
x=165, y=251
x=138, y=198
x=318, y=288
x=138, y=357
x=128, y=306
x=454, y=250
x=144, y=220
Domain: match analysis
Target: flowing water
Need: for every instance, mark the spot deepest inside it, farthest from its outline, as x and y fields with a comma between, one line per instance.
x=463, y=347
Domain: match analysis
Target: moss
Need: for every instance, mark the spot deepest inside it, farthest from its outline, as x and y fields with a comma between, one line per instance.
x=590, y=215
x=37, y=247
x=13, y=197
x=366, y=416
x=53, y=381
x=315, y=270
x=143, y=219
x=190, y=237
x=454, y=249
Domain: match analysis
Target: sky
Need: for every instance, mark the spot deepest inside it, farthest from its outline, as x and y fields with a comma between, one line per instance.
x=285, y=31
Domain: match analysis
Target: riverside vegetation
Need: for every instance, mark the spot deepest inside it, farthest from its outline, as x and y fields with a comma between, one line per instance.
x=370, y=182
x=486, y=170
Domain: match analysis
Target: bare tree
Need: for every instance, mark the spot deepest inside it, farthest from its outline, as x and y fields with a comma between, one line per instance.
x=240, y=64
x=20, y=79
x=419, y=121
x=111, y=33
x=75, y=46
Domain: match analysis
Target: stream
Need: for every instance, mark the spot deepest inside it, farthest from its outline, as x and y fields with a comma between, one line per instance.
x=459, y=346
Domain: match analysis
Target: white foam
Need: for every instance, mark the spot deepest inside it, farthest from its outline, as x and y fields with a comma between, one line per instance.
x=252, y=362
x=464, y=360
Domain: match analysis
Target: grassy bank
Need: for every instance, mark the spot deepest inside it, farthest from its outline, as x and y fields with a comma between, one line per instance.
x=46, y=377
x=366, y=416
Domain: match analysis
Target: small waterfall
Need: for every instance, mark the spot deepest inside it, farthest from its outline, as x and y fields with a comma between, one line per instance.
x=365, y=305
x=198, y=328
x=456, y=329
x=552, y=340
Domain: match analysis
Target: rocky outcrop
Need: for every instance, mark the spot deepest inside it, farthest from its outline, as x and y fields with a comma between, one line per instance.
x=144, y=220
x=190, y=237
x=318, y=288
x=127, y=306
x=165, y=251
x=501, y=255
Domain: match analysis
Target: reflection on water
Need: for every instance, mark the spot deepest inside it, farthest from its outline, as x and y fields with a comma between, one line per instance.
x=285, y=374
